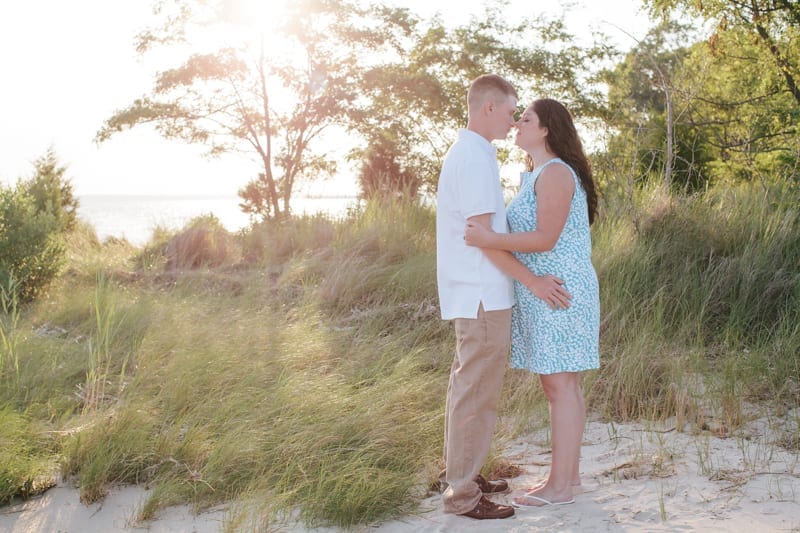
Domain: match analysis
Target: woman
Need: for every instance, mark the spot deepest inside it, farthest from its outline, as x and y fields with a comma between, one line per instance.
x=549, y=221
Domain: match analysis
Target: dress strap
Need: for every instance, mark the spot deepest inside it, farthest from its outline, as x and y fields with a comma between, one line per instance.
x=554, y=160
x=557, y=160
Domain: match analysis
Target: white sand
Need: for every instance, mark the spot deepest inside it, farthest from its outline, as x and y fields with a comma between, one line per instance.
x=636, y=478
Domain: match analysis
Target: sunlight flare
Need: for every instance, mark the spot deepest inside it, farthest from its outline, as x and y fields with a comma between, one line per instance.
x=257, y=16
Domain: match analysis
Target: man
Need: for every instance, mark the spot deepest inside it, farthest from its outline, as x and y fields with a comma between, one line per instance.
x=476, y=292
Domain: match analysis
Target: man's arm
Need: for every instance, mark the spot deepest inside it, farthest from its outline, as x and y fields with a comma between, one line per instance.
x=554, y=191
x=547, y=287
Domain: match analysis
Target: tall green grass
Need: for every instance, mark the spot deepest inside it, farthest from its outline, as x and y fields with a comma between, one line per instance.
x=28, y=463
x=302, y=373
x=296, y=378
x=706, y=286
x=9, y=356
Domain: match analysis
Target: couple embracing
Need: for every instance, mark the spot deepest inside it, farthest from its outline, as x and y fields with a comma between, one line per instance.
x=540, y=302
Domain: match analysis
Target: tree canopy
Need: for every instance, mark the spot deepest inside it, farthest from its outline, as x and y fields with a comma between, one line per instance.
x=392, y=87
x=226, y=97
x=394, y=83
x=732, y=101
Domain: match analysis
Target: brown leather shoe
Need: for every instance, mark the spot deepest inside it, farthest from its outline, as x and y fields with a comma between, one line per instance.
x=490, y=487
x=487, y=509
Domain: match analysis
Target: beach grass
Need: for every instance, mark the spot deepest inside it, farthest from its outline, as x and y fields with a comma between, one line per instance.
x=299, y=369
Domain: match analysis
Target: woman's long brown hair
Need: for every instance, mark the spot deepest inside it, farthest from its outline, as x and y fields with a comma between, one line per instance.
x=563, y=140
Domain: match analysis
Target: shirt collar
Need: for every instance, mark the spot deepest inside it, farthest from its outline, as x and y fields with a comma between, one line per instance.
x=478, y=139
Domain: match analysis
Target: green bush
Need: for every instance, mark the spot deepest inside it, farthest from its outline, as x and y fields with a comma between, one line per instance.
x=52, y=192
x=34, y=218
x=32, y=250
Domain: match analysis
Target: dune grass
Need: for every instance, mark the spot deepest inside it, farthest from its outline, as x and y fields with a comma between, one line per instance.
x=28, y=464
x=707, y=286
x=299, y=369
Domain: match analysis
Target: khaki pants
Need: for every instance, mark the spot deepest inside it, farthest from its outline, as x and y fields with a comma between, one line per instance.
x=476, y=381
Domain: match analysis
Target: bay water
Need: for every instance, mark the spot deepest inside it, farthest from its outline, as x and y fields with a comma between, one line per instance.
x=135, y=217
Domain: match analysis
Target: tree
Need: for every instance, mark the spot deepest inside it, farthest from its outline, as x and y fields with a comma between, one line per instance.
x=742, y=116
x=225, y=98
x=381, y=174
x=773, y=24
x=732, y=115
x=642, y=107
x=418, y=99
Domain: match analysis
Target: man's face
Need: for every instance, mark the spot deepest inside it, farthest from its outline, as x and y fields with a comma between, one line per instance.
x=502, y=117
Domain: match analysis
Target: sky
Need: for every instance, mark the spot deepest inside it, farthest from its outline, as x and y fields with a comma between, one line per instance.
x=68, y=66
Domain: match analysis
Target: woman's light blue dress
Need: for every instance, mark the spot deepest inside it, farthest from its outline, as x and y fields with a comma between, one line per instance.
x=544, y=340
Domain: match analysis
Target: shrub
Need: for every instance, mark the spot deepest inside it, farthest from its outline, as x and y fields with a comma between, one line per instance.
x=32, y=250
x=203, y=242
x=34, y=217
x=52, y=192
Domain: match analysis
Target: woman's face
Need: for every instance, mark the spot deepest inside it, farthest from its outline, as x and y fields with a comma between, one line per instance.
x=529, y=133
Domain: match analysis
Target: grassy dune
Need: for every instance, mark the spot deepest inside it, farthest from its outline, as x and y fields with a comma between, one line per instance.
x=302, y=367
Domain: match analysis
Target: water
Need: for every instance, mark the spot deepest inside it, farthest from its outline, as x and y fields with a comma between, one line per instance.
x=135, y=217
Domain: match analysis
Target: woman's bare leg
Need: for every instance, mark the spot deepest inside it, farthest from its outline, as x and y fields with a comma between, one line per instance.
x=567, y=420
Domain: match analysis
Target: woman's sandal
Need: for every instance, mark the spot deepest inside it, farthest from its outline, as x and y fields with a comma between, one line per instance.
x=541, y=501
x=576, y=489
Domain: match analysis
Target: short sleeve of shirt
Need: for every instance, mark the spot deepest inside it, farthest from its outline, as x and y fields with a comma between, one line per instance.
x=476, y=190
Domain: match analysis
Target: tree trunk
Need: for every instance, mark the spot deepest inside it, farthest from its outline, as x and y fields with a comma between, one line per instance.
x=670, y=155
x=267, y=156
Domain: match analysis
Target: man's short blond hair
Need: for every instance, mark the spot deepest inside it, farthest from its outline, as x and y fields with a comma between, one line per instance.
x=488, y=86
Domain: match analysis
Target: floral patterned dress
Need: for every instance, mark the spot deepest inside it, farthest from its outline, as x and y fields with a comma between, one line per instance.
x=544, y=340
